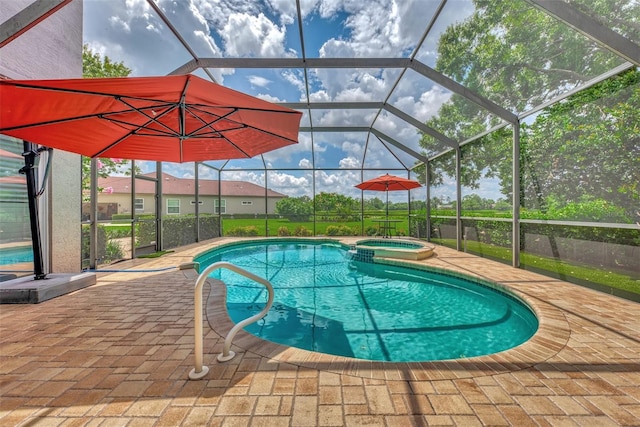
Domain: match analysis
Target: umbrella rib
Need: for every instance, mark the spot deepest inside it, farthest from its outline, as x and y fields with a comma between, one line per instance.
x=241, y=124
x=55, y=121
x=220, y=132
x=132, y=132
x=86, y=92
x=169, y=105
x=113, y=144
x=209, y=125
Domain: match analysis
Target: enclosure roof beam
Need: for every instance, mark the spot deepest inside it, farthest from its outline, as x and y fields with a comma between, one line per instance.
x=590, y=28
x=177, y=34
x=421, y=126
x=373, y=105
x=461, y=90
x=335, y=129
x=375, y=132
x=331, y=105
x=399, y=145
x=405, y=63
x=27, y=18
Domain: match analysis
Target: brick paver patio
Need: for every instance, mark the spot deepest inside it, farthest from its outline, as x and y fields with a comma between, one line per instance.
x=118, y=354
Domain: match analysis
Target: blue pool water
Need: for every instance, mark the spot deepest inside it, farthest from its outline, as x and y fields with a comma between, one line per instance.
x=16, y=255
x=326, y=303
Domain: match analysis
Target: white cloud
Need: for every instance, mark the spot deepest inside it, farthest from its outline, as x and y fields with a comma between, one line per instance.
x=283, y=181
x=343, y=117
x=268, y=98
x=349, y=163
x=320, y=96
x=342, y=182
x=377, y=28
x=259, y=81
x=305, y=164
x=129, y=31
x=353, y=148
x=291, y=152
x=253, y=36
x=296, y=79
x=238, y=175
x=286, y=9
x=319, y=147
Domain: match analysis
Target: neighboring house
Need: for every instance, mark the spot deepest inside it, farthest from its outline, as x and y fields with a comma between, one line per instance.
x=178, y=197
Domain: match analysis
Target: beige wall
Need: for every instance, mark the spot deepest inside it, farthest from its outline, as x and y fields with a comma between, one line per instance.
x=234, y=205
x=52, y=49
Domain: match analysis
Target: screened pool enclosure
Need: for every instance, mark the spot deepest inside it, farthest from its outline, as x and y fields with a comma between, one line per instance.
x=520, y=119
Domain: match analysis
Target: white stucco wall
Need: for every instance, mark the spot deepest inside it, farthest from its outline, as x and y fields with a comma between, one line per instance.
x=52, y=49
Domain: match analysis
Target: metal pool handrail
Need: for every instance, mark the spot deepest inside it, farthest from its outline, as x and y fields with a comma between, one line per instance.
x=199, y=370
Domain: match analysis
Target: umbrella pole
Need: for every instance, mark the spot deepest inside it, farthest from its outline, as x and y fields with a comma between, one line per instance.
x=30, y=155
x=386, y=185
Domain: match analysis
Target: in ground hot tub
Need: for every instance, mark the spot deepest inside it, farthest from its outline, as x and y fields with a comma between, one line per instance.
x=365, y=250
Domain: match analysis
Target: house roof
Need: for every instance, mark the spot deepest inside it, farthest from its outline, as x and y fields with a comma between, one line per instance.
x=9, y=155
x=13, y=179
x=172, y=185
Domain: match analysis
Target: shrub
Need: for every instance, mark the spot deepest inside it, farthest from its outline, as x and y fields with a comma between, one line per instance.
x=178, y=230
x=113, y=252
x=340, y=230
x=247, y=231
x=118, y=232
x=370, y=231
x=302, y=231
x=283, y=231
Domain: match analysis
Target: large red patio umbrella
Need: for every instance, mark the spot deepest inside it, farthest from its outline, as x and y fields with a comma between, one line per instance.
x=388, y=183
x=172, y=118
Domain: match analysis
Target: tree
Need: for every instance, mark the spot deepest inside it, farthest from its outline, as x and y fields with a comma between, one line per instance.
x=93, y=66
x=295, y=208
x=374, y=203
x=335, y=202
x=473, y=202
x=588, y=146
x=518, y=57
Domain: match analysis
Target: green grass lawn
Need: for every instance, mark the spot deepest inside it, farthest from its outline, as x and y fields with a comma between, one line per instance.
x=570, y=272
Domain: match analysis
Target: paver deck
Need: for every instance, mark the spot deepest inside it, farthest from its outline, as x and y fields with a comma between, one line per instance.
x=119, y=353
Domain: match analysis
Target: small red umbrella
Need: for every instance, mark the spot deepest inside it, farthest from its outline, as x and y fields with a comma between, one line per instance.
x=388, y=183
x=172, y=118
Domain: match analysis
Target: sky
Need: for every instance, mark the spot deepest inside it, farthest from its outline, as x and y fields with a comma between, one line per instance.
x=131, y=32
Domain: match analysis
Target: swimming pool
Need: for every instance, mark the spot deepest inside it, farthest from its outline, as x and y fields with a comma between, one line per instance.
x=16, y=255
x=326, y=303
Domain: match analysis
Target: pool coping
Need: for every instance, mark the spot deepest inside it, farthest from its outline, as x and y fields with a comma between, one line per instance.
x=552, y=335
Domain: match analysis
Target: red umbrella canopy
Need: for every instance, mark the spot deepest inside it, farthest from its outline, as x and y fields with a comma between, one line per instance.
x=172, y=118
x=388, y=183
